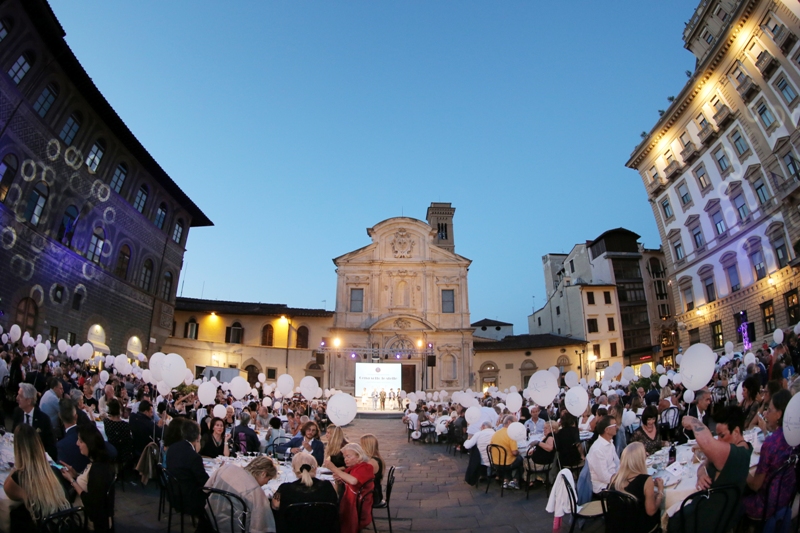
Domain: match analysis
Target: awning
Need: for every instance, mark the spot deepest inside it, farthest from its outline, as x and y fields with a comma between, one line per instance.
x=100, y=347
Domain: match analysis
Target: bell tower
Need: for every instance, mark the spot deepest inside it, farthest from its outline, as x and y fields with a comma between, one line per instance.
x=440, y=218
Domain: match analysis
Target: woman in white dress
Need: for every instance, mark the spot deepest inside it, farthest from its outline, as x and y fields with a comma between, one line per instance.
x=365, y=399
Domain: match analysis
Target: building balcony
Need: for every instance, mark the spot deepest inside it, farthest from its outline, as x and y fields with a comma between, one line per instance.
x=707, y=134
x=784, y=39
x=656, y=186
x=689, y=152
x=723, y=116
x=672, y=169
x=766, y=64
x=747, y=88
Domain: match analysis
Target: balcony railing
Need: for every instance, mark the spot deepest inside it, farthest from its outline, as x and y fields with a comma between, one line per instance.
x=689, y=152
x=672, y=169
x=747, y=88
x=655, y=186
x=766, y=64
x=707, y=133
x=723, y=116
x=784, y=39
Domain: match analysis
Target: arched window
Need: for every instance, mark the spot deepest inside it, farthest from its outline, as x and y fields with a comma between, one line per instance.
x=449, y=367
x=302, y=337
x=252, y=374
x=190, y=329
x=8, y=171
x=46, y=99
x=166, y=286
x=5, y=27
x=177, y=233
x=234, y=334
x=26, y=315
x=141, y=198
x=267, y=333
x=36, y=203
x=96, y=243
x=70, y=128
x=161, y=216
x=118, y=179
x=95, y=155
x=21, y=67
x=123, y=260
x=146, y=275
x=67, y=228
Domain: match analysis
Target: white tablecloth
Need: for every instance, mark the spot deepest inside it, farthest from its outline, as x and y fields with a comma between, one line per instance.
x=285, y=473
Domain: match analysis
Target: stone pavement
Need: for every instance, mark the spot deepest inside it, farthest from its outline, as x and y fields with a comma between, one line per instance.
x=429, y=493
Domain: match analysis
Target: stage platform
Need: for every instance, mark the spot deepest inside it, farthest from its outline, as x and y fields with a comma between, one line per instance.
x=368, y=413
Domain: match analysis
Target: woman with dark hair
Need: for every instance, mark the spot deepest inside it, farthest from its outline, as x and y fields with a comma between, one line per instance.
x=648, y=433
x=774, y=452
x=216, y=443
x=568, y=442
x=93, y=484
x=118, y=432
x=750, y=389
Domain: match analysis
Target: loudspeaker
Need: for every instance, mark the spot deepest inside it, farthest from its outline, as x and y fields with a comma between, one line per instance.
x=320, y=358
x=431, y=360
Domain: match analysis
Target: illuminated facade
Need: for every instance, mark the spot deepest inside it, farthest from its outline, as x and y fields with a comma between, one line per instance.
x=93, y=229
x=721, y=172
x=403, y=299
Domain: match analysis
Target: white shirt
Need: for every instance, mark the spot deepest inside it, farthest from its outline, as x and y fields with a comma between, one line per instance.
x=414, y=419
x=482, y=439
x=603, y=464
x=586, y=426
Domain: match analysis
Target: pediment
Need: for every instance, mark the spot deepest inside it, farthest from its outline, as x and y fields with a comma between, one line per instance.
x=400, y=323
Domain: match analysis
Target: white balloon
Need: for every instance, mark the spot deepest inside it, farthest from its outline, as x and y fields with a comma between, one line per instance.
x=4, y=338
x=308, y=387
x=516, y=431
x=86, y=351
x=41, y=353
x=473, y=415
x=797, y=329
x=14, y=333
x=342, y=409
x=571, y=378
x=163, y=388
x=62, y=345
x=262, y=377
x=677, y=379
x=592, y=382
x=749, y=359
x=104, y=377
x=777, y=335
x=286, y=384
x=155, y=365
x=173, y=369
x=660, y=369
x=646, y=371
x=220, y=411
x=663, y=381
x=629, y=373
x=791, y=421
x=698, y=366
x=597, y=393
x=121, y=360
x=543, y=387
x=266, y=402
x=412, y=397
x=628, y=418
x=688, y=396
x=206, y=393
x=239, y=387
x=147, y=376
x=402, y=394
x=514, y=402
x=576, y=400
x=729, y=347
x=318, y=393
x=678, y=358
x=188, y=377
x=740, y=397
x=555, y=371
x=604, y=387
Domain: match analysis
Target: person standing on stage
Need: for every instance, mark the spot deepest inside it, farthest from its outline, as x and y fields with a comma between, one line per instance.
x=383, y=399
x=374, y=399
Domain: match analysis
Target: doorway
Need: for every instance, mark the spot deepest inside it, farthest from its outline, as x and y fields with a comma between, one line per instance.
x=409, y=378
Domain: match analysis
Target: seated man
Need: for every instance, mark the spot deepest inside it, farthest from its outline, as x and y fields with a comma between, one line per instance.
x=185, y=465
x=512, y=466
x=244, y=438
x=68, y=451
x=602, y=457
x=482, y=439
x=49, y=402
x=307, y=441
x=143, y=429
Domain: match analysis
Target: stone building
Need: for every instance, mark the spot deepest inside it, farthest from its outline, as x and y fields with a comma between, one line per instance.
x=611, y=292
x=271, y=338
x=492, y=329
x=721, y=172
x=403, y=299
x=93, y=229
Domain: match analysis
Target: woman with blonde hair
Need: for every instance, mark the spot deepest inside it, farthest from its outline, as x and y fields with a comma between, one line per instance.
x=632, y=479
x=306, y=489
x=232, y=478
x=355, y=505
x=32, y=482
x=336, y=442
x=370, y=445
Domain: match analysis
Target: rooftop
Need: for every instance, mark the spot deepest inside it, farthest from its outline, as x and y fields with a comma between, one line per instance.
x=489, y=322
x=246, y=308
x=521, y=342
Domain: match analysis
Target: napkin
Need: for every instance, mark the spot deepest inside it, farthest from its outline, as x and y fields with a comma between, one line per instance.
x=675, y=469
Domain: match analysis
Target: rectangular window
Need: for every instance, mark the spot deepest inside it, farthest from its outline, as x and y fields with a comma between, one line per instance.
x=94, y=157
x=722, y=159
x=596, y=350
x=69, y=130
x=685, y=139
x=539, y=319
x=694, y=336
x=719, y=222
x=448, y=301
x=667, y=208
x=71, y=337
x=77, y=298
x=781, y=254
x=716, y=335
x=119, y=178
x=683, y=192
x=53, y=334
x=191, y=330
x=607, y=297
x=791, y=165
x=664, y=312
x=613, y=347
x=702, y=177
x=45, y=100
x=733, y=278
x=572, y=266
x=697, y=237
x=678, y=246
x=768, y=314
x=357, y=301
x=708, y=37
x=741, y=207
x=792, y=306
x=766, y=115
x=590, y=298
x=739, y=143
x=711, y=291
x=653, y=173
x=757, y=259
x=786, y=90
x=610, y=323
x=688, y=299
x=19, y=69
x=701, y=121
x=272, y=373
x=591, y=325
x=558, y=310
x=761, y=191
x=58, y=294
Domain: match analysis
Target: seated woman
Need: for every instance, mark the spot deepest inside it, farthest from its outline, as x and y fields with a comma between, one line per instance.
x=648, y=433
x=370, y=445
x=355, y=505
x=118, y=432
x=774, y=452
x=306, y=489
x=568, y=442
x=246, y=483
x=632, y=478
x=33, y=482
x=540, y=456
x=275, y=432
x=336, y=442
x=585, y=422
x=93, y=483
x=216, y=442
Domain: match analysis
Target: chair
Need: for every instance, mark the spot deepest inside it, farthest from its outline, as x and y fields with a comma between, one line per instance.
x=533, y=471
x=67, y=521
x=589, y=511
x=174, y=497
x=225, y=512
x=272, y=449
x=710, y=511
x=312, y=516
x=499, y=468
x=619, y=510
x=410, y=429
x=774, y=517
x=385, y=502
x=668, y=422
x=162, y=490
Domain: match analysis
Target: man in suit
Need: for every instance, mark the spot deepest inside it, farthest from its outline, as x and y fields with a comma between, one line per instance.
x=143, y=429
x=50, y=399
x=308, y=441
x=27, y=413
x=699, y=410
x=68, y=451
x=383, y=400
x=185, y=465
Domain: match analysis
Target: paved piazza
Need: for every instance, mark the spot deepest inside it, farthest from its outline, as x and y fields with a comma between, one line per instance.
x=429, y=493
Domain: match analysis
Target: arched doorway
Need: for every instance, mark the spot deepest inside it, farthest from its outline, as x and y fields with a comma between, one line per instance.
x=315, y=370
x=526, y=370
x=488, y=375
x=253, y=369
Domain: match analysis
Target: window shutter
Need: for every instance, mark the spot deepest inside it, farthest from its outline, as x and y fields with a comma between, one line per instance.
x=241, y=335
x=186, y=330
x=228, y=334
x=197, y=331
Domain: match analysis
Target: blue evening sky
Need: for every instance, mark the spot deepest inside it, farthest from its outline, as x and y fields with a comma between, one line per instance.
x=296, y=125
